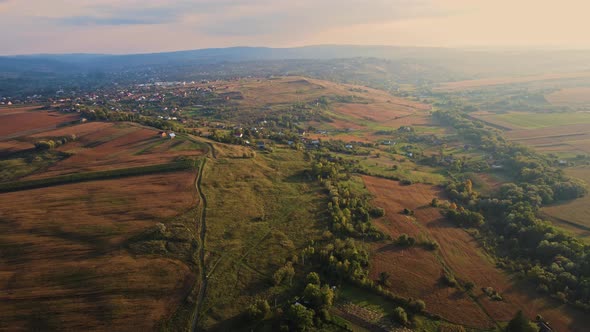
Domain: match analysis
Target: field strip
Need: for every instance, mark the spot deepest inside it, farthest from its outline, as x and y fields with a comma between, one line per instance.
x=92, y=176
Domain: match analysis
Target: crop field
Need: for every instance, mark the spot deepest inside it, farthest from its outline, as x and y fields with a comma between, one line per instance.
x=529, y=120
x=490, y=82
x=459, y=253
x=573, y=215
x=12, y=146
x=16, y=122
x=574, y=97
x=74, y=256
x=107, y=146
x=256, y=205
x=564, y=141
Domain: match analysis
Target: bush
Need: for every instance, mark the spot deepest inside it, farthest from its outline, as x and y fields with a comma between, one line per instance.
x=417, y=306
x=408, y=212
x=377, y=212
x=448, y=279
x=405, y=241
x=400, y=316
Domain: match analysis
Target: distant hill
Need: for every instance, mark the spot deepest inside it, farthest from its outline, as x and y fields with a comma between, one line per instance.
x=377, y=66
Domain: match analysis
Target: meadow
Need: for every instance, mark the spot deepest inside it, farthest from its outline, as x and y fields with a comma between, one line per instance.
x=258, y=206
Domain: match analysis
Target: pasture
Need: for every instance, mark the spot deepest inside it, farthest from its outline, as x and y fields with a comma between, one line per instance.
x=76, y=256
x=416, y=272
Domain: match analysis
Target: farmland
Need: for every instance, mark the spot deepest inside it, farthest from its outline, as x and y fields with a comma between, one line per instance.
x=16, y=122
x=72, y=255
x=417, y=272
x=288, y=178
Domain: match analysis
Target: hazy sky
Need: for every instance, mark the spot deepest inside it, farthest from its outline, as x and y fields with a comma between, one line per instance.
x=129, y=26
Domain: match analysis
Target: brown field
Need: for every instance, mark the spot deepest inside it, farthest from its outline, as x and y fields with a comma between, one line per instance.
x=24, y=121
x=570, y=97
x=14, y=146
x=417, y=272
x=487, y=82
x=64, y=260
x=105, y=146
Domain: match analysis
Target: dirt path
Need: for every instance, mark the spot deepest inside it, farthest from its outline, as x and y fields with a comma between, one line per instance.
x=202, y=226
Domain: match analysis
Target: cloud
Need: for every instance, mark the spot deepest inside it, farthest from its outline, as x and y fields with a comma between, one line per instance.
x=308, y=16
x=125, y=16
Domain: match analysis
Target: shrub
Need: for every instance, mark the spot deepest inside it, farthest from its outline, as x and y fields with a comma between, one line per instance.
x=405, y=241
x=377, y=212
x=400, y=316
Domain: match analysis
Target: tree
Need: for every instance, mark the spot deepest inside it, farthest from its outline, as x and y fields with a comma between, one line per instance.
x=313, y=278
x=300, y=317
x=520, y=324
x=284, y=273
x=258, y=310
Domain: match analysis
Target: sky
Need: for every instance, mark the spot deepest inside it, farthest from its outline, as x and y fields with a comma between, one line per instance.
x=139, y=26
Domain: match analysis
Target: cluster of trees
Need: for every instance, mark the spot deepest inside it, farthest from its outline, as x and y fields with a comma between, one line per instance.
x=305, y=312
x=54, y=142
x=558, y=263
x=350, y=211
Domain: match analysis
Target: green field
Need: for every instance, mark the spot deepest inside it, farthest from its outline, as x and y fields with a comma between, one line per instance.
x=257, y=206
x=527, y=120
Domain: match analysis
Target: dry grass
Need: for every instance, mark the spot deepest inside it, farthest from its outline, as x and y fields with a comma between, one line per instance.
x=63, y=262
x=417, y=272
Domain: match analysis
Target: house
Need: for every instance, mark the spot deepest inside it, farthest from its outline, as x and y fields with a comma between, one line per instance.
x=315, y=142
x=290, y=142
x=497, y=166
x=162, y=134
x=260, y=145
x=349, y=146
x=410, y=154
x=562, y=162
x=172, y=135
x=238, y=135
